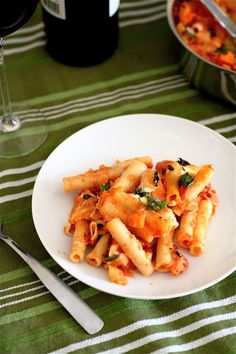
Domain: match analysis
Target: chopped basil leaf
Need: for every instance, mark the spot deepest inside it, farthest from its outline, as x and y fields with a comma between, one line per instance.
x=155, y=178
x=111, y=258
x=152, y=204
x=170, y=168
x=183, y=162
x=141, y=193
x=222, y=50
x=186, y=180
x=106, y=186
x=156, y=204
x=86, y=196
x=178, y=253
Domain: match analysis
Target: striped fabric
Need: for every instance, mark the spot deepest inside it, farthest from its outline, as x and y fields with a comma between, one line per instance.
x=141, y=77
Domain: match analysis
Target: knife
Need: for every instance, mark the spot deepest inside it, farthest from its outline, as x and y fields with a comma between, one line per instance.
x=78, y=308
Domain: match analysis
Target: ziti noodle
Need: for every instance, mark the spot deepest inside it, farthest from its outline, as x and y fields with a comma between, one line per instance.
x=133, y=216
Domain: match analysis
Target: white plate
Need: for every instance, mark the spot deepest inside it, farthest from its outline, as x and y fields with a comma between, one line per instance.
x=161, y=137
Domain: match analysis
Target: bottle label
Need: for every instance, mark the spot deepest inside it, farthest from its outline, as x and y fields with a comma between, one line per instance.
x=113, y=7
x=55, y=7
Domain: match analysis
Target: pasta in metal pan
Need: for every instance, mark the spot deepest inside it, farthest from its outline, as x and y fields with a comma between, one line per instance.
x=135, y=216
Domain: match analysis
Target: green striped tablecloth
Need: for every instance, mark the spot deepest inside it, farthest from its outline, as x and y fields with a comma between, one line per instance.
x=142, y=76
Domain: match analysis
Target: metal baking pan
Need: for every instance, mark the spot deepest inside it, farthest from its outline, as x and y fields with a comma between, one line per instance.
x=206, y=76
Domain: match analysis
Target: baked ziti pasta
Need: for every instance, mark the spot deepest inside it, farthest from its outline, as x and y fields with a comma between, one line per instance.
x=133, y=216
x=203, y=33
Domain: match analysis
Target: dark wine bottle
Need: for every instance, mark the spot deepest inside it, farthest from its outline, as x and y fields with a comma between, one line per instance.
x=81, y=32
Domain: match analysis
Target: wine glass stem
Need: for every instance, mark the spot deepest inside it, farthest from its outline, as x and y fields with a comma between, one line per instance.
x=8, y=122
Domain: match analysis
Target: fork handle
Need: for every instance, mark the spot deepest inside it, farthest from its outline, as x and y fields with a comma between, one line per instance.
x=78, y=309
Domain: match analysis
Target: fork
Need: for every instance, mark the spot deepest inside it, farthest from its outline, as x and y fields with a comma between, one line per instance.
x=78, y=309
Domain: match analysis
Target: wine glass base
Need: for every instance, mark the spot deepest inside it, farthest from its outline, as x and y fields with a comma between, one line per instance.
x=24, y=134
x=11, y=126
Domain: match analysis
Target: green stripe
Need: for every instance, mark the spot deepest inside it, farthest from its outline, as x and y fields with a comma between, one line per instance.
x=102, y=85
x=17, y=215
x=22, y=272
x=36, y=336
x=192, y=109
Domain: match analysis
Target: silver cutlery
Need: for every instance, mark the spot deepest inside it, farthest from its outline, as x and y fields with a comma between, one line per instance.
x=78, y=309
x=221, y=16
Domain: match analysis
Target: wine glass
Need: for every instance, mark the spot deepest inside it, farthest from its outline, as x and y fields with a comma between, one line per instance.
x=18, y=136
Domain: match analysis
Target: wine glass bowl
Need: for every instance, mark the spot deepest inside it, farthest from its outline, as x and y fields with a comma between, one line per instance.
x=14, y=14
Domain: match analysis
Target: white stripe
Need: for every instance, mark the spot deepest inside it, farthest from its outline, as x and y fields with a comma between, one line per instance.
x=198, y=342
x=25, y=48
x=19, y=286
x=170, y=334
x=207, y=121
x=27, y=284
x=15, y=302
x=22, y=292
x=11, y=197
x=21, y=170
x=109, y=98
x=158, y=88
x=86, y=100
x=142, y=20
x=233, y=139
x=17, y=183
x=148, y=11
x=26, y=39
x=67, y=277
x=226, y=129
x=104, y=96
x=32, y=289
x=144, y=323
x=74, y=282
x=120, y=99
x=28, y=29
x=128, y=5
x=217, y=119
x=24, y=299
